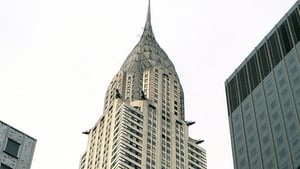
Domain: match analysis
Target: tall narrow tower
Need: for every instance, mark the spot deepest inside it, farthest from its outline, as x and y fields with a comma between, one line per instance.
x=143, y=123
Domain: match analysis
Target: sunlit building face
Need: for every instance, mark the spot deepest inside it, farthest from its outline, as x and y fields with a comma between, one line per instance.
x=143, y=124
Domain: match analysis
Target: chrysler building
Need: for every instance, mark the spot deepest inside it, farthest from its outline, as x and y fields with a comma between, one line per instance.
x=143, y=124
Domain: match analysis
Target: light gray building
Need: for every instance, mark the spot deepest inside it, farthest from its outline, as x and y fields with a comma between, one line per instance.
x=143, y=124
x=16, y=148
x=263, y=99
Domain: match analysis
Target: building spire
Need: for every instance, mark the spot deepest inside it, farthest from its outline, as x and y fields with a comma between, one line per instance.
x=148, y=27
x=145, y=55
x=147, y=52
x=149, y=12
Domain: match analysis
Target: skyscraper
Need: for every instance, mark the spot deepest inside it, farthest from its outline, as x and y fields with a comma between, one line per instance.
x=143, y=124
x=16, y=148
x=263, y=99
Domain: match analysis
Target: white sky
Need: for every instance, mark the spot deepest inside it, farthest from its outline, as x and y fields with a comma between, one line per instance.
x=57, y=58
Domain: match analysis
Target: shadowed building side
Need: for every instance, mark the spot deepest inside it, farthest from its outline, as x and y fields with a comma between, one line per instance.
x=263, y=100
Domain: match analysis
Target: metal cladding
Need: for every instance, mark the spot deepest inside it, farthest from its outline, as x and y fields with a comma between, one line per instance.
x=147, y=53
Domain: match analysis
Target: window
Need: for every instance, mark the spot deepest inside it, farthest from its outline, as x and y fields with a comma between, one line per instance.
x=253, y=70
x=12, y=148
x=232, y=94
x=264, y=62
x=274, y=50
x=2, y=166
x=295, y=22
x=285, y=38
x=243, y=83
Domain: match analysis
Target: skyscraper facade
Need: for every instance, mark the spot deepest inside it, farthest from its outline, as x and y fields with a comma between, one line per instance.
x=143, y=124
x=263, y=100
x=16, y=148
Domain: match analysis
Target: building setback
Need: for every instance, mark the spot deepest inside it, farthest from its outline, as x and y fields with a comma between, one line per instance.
x=16, y=148
x=143, y=124
x=263, y=100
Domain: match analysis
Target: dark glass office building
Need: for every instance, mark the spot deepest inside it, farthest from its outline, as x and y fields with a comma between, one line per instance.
x=263, y=100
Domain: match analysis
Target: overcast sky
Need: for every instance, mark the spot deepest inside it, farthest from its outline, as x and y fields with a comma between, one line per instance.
x=57, y=58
